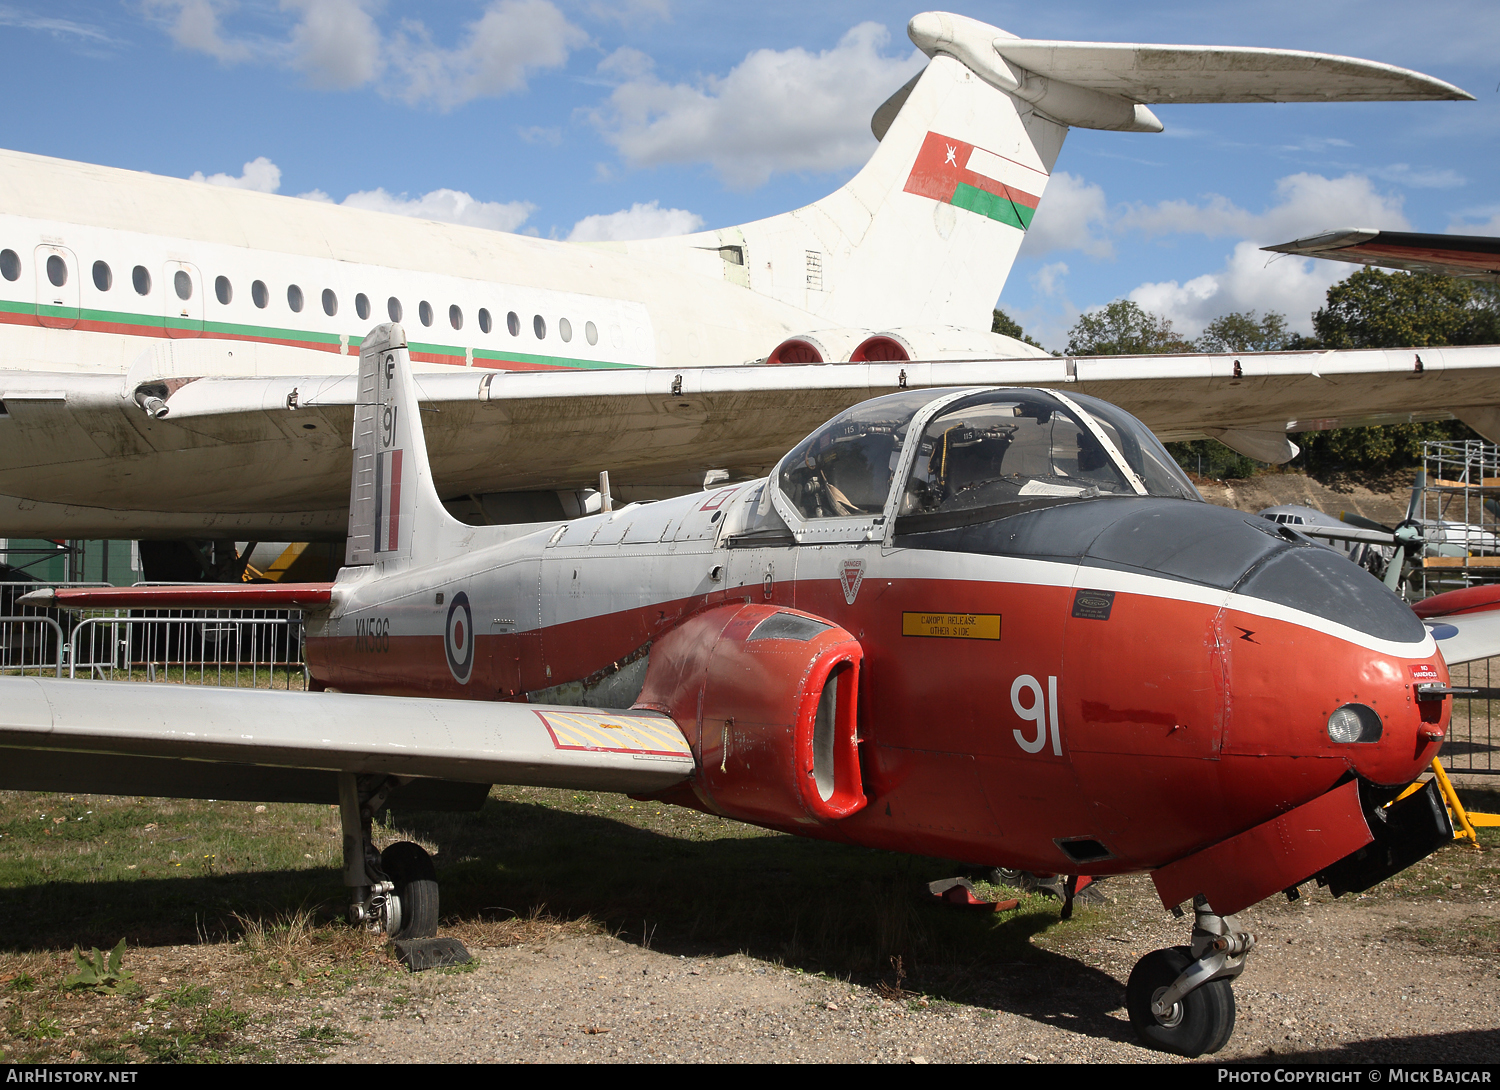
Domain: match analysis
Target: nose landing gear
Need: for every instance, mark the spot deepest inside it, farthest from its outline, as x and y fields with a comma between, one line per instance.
x=1180, y=999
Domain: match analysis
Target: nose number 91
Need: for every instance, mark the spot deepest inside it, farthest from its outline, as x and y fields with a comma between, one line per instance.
x=1040, y=709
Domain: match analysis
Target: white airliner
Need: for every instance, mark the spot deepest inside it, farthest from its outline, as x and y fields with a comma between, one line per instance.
x=177, y=360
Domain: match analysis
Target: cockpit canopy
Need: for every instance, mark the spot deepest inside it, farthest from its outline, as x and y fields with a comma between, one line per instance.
x=980, y=454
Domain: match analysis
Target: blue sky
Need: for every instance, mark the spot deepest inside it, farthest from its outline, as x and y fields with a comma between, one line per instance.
x=589, y=119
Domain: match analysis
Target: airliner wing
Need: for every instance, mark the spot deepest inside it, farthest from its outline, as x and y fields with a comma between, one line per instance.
x=267, y=457
x=198, y=741
x=1475, y=257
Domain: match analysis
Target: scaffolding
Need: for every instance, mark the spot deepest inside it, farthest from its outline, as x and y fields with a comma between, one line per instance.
x=1460, y=513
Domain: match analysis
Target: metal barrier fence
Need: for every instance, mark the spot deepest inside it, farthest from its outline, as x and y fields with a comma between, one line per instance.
x=31, y=644
x=257, y=649
x=1473, y=745
x=248, y=648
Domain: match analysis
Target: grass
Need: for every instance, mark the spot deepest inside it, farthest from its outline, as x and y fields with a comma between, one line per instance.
x=258, y=889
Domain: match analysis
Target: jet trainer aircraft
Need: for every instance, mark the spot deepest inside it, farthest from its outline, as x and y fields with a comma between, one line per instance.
x=994, y=624
x=176, y=358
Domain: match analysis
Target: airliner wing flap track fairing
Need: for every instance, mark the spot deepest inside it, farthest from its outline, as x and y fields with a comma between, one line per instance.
x=939, y=602
x=231, y=346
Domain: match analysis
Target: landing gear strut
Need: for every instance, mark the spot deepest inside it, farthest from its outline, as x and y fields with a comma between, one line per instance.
x=1180, y=999
x=394, y=892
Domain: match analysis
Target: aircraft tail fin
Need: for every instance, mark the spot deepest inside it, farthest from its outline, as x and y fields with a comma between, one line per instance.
x=395, y=515
x=927, y=231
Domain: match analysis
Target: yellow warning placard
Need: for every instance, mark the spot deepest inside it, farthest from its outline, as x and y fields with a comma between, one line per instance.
x=962, y=626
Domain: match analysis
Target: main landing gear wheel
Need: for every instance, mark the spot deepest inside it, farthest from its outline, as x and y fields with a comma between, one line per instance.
x=1199, y=1023
x=415, y=878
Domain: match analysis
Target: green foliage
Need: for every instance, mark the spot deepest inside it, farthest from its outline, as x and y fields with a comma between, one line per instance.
x=1389, y=446
x=1211, y=459
x=1007, y=326
x=1123, y=329
x=1241, y=331
x=1376, y=309
x=102, y=973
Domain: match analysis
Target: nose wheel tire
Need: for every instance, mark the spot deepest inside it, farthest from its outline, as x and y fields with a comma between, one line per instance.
x=1200, y=1023
x=411, y=869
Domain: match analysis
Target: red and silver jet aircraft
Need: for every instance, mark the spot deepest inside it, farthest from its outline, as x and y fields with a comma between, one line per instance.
x=989, y=624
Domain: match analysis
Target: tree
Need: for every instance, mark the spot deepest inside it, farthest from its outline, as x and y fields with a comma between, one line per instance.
x=1376, y=309
x=1241, y=331
x=1123, y=329
x=1007, y=326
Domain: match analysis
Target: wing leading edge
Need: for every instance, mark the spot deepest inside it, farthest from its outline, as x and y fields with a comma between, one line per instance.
x=197, y=741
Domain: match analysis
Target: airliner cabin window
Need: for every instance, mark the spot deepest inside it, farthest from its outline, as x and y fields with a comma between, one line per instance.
x=484, y=321
x=223, y=291
x=330, y=302
x=393, y=308
x=362, y=306
x=140, y=277
x=591, y=331
x=294, y=298
x=103, y=278
x=539, y=327
x=182, y=284
x=565, y=329
x=513, y=324
x=259, y=295
x=57, y=271
x=10, y=265
x=424, y=311
x=455, y=317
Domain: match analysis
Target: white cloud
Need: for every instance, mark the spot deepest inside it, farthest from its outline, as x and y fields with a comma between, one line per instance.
x=1308, y=203
x=446, y=205
x=1420, y=178
x=336, y=42
x=1251, y=279
x=539, y=134
x=1072, y=215
x=58, y=28
x=194, y=24
x=776, y=111
x=638, y=221
x=509, y=40
x=1048, y=279
x=1491, y=226
x=259, y=174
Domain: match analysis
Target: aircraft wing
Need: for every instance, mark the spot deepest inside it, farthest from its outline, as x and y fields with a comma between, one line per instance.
x=197, y=741
x=1476, y=257
x=267, y=457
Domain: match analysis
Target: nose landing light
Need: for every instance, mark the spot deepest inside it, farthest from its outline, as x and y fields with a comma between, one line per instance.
x=1355, y=723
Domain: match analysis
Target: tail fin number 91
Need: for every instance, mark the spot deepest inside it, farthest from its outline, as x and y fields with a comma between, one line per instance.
x=1041, y=709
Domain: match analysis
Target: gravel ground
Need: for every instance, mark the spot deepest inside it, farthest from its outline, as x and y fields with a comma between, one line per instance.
x=1329, y=981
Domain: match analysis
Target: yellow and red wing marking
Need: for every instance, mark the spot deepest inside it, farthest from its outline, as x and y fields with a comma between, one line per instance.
x=615, y=732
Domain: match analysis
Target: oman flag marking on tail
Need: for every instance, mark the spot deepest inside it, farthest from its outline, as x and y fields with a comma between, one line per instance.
x=387, y=500
x=962, y=175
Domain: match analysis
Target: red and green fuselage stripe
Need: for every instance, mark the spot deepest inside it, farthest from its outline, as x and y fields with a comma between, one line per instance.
x=153, y=325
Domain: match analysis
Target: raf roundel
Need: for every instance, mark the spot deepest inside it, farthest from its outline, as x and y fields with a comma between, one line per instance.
x=458, y=638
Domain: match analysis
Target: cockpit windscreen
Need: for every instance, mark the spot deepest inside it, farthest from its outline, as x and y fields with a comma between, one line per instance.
x=1005, y=451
